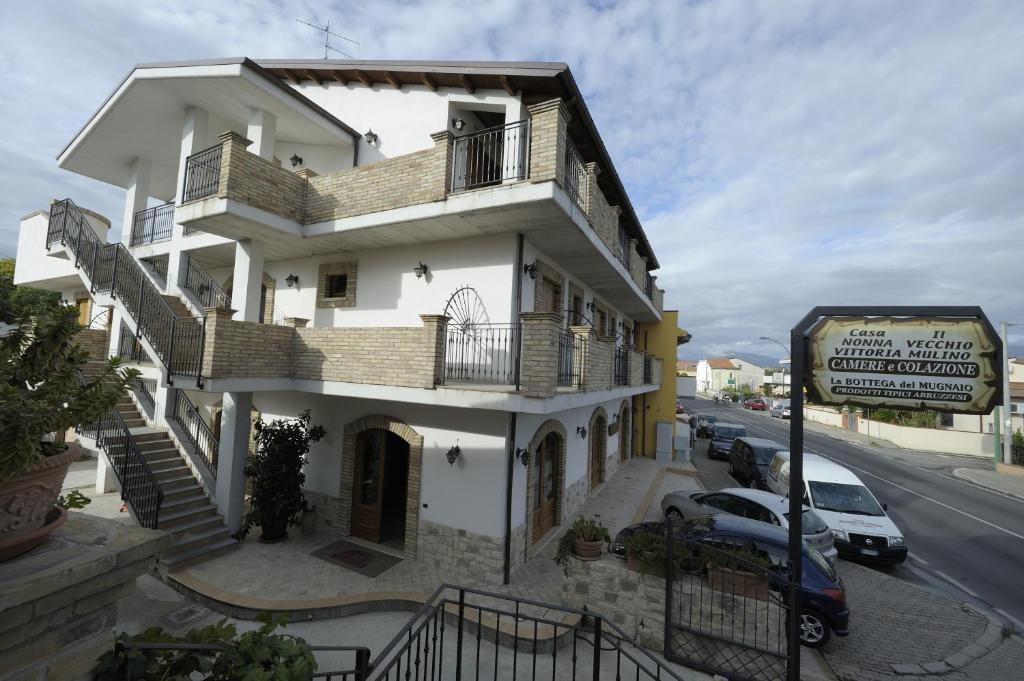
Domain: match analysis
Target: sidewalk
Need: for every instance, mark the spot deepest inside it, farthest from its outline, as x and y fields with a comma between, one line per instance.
x=1007, y=483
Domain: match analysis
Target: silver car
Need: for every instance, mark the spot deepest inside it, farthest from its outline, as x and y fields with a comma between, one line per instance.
x=778, y=408
x=754, y=504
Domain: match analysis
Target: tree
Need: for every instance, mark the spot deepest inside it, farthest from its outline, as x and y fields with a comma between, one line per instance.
x=18, y=302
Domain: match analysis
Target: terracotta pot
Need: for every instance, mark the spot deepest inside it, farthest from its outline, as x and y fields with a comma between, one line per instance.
x=587, y=550
x=309, y=521
x=738, y=582
x=26, y=500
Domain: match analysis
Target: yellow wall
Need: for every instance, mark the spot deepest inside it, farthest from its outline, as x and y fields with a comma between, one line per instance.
x=658, y=339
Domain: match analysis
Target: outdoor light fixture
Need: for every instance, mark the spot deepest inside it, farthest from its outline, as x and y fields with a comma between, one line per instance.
x=296, y=160
x=591, y=306
x=458, y=124
x=582, y=432
x=531, y=269
x=292, y=280
x=523, y=455
x=453, y=454
x=420, y=270
x=370, y=137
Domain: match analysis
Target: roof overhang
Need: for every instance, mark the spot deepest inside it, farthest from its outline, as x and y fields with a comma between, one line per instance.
x=534, y=81
x=144, y=116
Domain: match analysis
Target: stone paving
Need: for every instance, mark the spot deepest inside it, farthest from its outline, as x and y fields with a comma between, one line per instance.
x=898, y=630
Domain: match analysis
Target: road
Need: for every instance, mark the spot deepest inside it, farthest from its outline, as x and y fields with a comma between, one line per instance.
x=963, y=539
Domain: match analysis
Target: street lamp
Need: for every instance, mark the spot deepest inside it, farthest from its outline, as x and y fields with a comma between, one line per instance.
x=788, y=356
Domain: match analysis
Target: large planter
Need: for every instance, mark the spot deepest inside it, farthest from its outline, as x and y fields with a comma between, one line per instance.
x=738, y=582
x=26, y=501
x=633, y=563
x=271, y=534
x=587, y=550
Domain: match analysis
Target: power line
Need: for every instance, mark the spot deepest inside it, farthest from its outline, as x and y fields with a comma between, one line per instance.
x=327, y=38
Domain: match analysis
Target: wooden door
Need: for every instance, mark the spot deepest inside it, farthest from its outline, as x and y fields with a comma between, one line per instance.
x=368, y=485
x=624, y=434
x=597, y=450
x=83, y=311
x=545, y=485
x=551, y=296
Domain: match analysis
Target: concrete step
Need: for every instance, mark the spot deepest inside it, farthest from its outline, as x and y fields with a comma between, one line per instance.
x=154, y=445
x=197, y=525
x=136, y=422
x=186, y=541
x=177, y=484
x=150, y=437
x=197, y=500
x=153, y=455
x=183, y=492
x=186, y=558
x=170, y=520
x=175, y=472
x=163, y=465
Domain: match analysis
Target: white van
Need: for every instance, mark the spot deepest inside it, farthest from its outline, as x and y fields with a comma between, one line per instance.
x=859, y=525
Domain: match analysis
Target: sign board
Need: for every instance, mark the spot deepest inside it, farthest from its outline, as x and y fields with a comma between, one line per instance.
x=913, y=363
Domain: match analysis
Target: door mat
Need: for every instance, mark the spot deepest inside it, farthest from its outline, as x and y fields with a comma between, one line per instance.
x=356, y=558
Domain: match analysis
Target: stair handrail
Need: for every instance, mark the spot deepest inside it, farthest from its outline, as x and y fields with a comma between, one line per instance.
x=138, y=483
x=111, y=268
x=199, y=282
x=200, y=436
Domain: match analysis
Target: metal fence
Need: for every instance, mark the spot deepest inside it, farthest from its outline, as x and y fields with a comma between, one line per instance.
x=726, y=612
x=482, y=353
x=202, y=174
x=200, y=284
x=620, y=366
x=144, y=388
x=199, y=435
x=575, y=174
x=129, y=349
x=1017, y=455
x=570, y=359
x=153, y=224
x=139, y=486
x=491, y=156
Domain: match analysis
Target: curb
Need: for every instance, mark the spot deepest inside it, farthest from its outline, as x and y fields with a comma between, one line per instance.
x=989, y=640
x=961, y=476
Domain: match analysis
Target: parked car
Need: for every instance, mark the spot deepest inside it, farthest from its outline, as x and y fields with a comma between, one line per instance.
x=776, y=411
x=823, y=597
x=755, y=504
x=860, y=526
x=679, y=407
x=704, y=424
x=785, y=412
x=749, y=459
x=722, y=435
x=758, y=404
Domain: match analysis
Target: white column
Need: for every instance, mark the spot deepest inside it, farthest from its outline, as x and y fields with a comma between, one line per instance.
x=136, y=194
x=262, y=130
x=247, y=280
x=234, y=447
x=104, y=474
x=193, y=139
x=115, y=333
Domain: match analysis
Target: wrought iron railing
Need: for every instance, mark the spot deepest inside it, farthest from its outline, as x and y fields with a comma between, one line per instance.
x=110, y=268
x=570, y=359
x=491, y=156
x=200, y=284
x=1017, y=455
x=186, y=230
x=463, y=633
x=139, y=487
x=482, y=353
x=153, y=224
x=129, y=349
x=620, y=366
x=575, y=174
x=202, y=174
x=648, y=377
x=623, y=251
x=649, y=286
x=144, y=389
x=200, y=437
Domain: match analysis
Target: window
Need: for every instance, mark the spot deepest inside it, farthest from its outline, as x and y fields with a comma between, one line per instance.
x=337, y=286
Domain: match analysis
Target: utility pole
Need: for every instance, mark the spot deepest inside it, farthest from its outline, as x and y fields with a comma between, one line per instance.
x=1007, y=412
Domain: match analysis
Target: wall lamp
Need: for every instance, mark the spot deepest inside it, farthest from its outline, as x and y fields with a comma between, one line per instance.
x=420, y=270
x=531, y=270
x=453, y=454
x=591, y=306
x=296, y=160
x=582, y=432
x=458, y=124
x=523, y=454
x=292, y=280
x=370, y=137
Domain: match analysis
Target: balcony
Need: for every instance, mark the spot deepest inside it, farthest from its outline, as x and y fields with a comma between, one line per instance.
x=152, y=225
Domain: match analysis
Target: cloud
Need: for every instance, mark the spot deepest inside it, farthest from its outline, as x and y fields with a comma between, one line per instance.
x=781, y=155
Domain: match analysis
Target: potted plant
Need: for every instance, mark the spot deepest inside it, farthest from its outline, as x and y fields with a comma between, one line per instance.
x=276, y=473
x=583, y=539
x=648, y=553
x=308, y=519
x=42, y=394
x=738, y=572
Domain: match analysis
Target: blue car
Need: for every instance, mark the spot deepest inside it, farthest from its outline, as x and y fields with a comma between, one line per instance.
x=823, y=597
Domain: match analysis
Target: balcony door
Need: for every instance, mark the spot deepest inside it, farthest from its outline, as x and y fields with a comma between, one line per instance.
x=380, y=487
x=598, y=447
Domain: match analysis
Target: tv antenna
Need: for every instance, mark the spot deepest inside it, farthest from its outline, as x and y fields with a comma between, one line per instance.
x=327, y=38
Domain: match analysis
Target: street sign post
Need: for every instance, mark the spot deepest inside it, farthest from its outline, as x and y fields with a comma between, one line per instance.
x=947, y=359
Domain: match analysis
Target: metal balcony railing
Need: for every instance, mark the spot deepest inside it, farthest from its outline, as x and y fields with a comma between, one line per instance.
x=570, y=359
x=152, y=225
x=202, y=174
x=620, y=367
x=575, y=174
x=200, y=284
x=648, y=376
x=199, y=435
x=144, y=389
x=482, y=353
x=491, y=156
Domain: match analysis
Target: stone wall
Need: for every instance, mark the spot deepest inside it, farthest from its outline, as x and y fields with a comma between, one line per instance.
x=548, y=135
x=93, y=341
x=58, y=603
x=236, y=349
x=657, y=365
x=636, y=367
x=575, y=496
x=461, y=552
x=411, y=179
x=539, y=365
x=257, y=182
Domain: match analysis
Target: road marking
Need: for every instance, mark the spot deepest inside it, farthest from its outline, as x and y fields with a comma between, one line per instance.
x=916, y=558
x=927, y=498
x=1016, y=622
x=956, y=583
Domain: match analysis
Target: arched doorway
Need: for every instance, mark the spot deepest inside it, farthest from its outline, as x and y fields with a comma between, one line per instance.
x=624, y=431
x=380, y=487
x=598, y=447
x=546, y=484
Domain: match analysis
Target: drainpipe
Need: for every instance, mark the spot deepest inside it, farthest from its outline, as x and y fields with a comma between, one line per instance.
x=509, y=471
x=517, y=304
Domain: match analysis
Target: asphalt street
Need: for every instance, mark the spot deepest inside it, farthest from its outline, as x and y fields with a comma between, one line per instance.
x=964, y=540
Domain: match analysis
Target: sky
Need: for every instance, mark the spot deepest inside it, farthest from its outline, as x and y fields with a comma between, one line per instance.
x=780, y=155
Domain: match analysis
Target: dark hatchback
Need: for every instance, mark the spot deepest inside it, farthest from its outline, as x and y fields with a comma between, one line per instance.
x=823, y=597
x=750, y=458
x=722, y=436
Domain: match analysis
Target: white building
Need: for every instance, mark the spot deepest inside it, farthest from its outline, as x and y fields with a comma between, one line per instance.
x=436, y=259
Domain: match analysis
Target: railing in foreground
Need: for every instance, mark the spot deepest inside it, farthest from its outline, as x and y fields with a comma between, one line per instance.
x=139, y=486
x=202, y=174
x=575, y=174
x=491, y=156
x=203, y=287
x=201, y=439
x=153, y=224
x=519, y=638
x=570, y=359
x=620, y=367
x=481, y=353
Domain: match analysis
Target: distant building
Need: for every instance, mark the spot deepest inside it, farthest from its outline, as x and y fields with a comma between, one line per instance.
x=716, y=374
x=686, y=367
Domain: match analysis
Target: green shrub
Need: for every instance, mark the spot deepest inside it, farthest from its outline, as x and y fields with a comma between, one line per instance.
x=583, y=529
